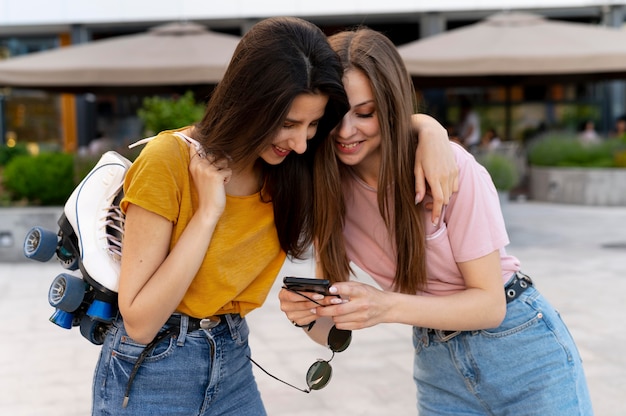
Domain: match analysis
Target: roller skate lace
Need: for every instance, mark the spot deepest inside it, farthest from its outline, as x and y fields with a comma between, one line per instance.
x=112, y=223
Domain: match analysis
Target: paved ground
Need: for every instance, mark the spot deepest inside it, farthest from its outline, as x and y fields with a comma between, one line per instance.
x=577, y=256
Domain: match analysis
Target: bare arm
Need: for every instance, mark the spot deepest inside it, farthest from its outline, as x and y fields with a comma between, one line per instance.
x=435, y=163
x=153, y=280
x=481, y=305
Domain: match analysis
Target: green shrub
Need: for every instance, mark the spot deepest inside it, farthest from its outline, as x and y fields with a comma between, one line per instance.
x=83, y=164
x=7, y=153
x=620, y=159
x=45, y=179
x=160, y=113
x=502, y=170
x=568, y=151
x=575, y=114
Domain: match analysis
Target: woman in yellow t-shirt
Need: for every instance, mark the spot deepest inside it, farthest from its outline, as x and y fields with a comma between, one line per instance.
x=211, y=211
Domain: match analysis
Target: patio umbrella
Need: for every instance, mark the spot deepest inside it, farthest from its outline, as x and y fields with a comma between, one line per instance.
x=516, y=48
x=169, y=55
x=521, y=45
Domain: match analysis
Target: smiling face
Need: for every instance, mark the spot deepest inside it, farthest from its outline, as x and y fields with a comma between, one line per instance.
x=357, y=138
x=299, y=126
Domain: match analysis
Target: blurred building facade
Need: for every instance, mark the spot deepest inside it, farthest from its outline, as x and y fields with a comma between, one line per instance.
x=73, y=121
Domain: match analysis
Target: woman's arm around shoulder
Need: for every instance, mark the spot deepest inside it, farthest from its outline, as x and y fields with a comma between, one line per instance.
x=434, y=162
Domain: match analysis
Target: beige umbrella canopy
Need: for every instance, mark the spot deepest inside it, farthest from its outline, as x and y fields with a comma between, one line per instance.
x=517, y=48
x=168, y=55
x=519, y=45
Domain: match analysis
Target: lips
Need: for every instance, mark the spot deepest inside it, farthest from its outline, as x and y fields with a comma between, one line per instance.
x=280, y=151
x=349, y=148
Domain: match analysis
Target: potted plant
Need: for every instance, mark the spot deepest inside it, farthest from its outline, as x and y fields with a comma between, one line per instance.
x=565, y=170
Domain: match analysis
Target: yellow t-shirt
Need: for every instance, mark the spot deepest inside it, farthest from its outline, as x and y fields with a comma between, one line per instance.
x=244, y=256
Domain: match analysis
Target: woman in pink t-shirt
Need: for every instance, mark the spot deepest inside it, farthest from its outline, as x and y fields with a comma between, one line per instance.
x=486, y=341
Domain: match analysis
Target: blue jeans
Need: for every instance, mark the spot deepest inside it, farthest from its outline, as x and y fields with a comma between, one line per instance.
x=528, y=366
x=204, y=372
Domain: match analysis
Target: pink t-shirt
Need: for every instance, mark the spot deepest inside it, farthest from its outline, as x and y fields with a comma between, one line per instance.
x=472, y=227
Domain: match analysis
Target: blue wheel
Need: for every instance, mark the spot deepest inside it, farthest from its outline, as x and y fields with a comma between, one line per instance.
x=93, y=331
x=40, y=244
x=66, y=292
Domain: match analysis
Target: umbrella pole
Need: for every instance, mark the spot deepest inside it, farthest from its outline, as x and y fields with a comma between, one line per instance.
x=3, y=131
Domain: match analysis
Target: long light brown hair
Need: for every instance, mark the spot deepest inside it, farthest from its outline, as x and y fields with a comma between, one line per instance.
x=277, y=60
x=375, y=55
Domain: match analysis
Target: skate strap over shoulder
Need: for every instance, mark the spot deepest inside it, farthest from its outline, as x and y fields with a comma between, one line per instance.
x=180, y=135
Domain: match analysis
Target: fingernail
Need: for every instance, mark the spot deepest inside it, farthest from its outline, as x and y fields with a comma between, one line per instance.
x=436, y=222
x=313, y=311
x=318, y=297
x=332, y=289
x=336, y=301
x=418, y=198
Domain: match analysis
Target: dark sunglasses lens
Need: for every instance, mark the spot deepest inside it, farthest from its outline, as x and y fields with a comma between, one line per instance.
x=339, y=339
x=318, y=375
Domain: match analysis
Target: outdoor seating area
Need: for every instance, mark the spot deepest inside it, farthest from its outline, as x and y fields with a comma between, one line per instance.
x=228, y=192
x=524, y=72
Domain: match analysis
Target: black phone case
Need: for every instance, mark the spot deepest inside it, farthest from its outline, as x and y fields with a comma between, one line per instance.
x=304, y=284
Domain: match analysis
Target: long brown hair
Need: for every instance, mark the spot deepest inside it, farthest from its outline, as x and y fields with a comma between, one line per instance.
x=375, y=55
x=278, y=59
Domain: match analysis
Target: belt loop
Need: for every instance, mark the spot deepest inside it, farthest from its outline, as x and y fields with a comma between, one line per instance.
x=425, y=335
x=232, y=326
x=184, y=325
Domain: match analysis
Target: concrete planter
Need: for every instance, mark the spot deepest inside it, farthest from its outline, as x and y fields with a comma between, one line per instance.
x=580, y=186
x=15, y=223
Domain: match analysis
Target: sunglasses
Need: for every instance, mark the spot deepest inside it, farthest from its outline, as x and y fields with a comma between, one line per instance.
x=320, y=372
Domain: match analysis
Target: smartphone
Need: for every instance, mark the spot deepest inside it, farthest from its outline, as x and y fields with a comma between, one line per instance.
x=304, y=284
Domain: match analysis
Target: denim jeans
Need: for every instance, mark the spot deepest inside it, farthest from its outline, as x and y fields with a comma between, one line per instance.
x=204, y=372
x=528, y=366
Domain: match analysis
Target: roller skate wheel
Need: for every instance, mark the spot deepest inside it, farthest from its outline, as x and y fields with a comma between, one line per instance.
x=66, y=292
x=94, y=331
x=40, y=244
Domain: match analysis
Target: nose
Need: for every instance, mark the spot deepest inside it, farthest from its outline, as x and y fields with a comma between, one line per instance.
x=345, y=128
x=298, y=140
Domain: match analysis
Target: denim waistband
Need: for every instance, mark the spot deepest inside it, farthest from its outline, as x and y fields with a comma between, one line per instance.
x=193, y=324
x=216, y=324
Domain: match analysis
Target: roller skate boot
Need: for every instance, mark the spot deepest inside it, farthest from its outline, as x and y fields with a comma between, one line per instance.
x=93, y=213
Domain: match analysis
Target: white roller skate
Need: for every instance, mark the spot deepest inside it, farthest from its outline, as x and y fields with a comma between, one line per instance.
x=88, y=243
x=93, y=212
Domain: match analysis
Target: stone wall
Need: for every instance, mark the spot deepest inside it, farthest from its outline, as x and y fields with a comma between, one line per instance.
x=580, y=186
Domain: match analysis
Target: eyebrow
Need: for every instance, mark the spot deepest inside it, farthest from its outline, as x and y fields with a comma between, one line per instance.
x=365, y=102
x=289, y=120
